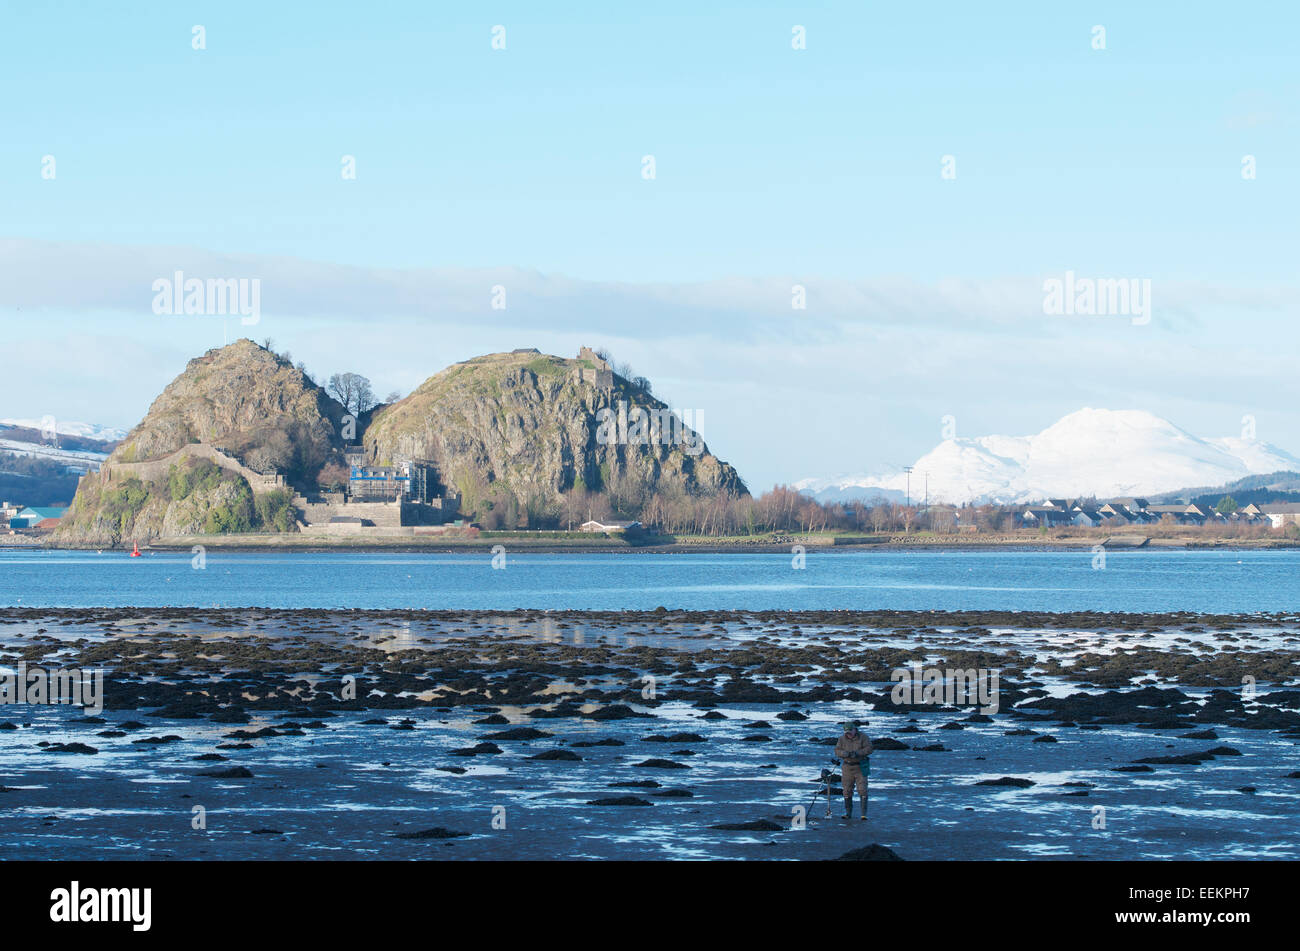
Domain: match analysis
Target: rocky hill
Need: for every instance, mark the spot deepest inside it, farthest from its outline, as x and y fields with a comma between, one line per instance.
x=527, y=427
x=242, y=399
x=516, y=436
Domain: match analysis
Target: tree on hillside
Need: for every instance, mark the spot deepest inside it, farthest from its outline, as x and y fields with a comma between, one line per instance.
x=573, y=507
x=353, y=391
x=269, y=451
x=333, y=476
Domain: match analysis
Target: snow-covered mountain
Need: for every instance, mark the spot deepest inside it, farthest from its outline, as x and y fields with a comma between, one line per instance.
x=68, y=428
x=79, y=446
x=1091, y=452
x=80, y=457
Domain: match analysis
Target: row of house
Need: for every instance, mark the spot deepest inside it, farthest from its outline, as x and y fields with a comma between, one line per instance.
x=1279, y=514
x=1055, y=513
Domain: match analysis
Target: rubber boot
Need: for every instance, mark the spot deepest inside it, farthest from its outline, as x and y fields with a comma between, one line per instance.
x=848, y=807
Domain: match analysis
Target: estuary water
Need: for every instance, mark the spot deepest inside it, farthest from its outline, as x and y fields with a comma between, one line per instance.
x=1237, y=582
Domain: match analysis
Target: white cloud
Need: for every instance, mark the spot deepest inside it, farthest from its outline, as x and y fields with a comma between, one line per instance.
x=856, y=381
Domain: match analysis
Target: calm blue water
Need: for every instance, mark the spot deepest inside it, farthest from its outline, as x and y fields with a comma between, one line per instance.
x=1135, y=581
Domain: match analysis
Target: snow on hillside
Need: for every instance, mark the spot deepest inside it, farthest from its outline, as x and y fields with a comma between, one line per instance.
x=68, y=456
x=1098, y=452
x=68, y=428
x=80, y=458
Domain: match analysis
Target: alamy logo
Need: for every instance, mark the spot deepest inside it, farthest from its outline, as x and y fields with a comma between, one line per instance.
x=1098, y=297
x=644, y=427
x=50, y=431
x=103, y=904
x=953, y=688
x=214, y=297
x=35, y=685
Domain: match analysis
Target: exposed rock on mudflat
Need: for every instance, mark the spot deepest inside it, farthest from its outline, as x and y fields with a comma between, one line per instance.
x=438, y=832
x=757, y=825
x=870, y=853
x=1015, y=781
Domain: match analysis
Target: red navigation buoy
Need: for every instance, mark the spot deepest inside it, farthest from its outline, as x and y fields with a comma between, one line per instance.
x=135, y=550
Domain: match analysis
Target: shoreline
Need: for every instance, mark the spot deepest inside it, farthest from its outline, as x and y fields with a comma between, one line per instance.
x=525, y=544
x=925, y=621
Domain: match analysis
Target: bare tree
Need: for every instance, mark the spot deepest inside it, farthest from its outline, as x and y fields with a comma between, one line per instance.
x=333, y=476
x=573, y=506
x=353, y=391
x=273, y=452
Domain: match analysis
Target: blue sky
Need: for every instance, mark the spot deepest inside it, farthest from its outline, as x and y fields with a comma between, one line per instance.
x=774, y=166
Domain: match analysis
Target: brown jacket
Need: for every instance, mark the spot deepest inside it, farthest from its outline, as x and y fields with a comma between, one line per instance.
x=852, y=749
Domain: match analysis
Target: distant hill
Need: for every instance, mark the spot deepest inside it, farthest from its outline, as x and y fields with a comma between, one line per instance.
x=1281, y=486
x=35, y=481
x=1091, y=452
x=40, y=470
x=25, y=437
x=831, y=491
x=79, y=435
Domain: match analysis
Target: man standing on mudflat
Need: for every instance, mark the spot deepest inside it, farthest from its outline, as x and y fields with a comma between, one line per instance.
x=852, y=751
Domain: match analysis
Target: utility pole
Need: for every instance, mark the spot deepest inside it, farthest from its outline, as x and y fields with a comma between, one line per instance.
x=908, y=523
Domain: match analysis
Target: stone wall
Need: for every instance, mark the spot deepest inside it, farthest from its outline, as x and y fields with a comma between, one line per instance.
x=586, y=353
x=315, y=516
x=373, y=513
x=155, y=470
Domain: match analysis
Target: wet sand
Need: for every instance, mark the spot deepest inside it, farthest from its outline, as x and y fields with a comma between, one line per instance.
x=631, y=735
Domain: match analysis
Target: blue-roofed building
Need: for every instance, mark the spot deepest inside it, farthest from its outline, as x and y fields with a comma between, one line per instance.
x=42, y=513
x=37, y=517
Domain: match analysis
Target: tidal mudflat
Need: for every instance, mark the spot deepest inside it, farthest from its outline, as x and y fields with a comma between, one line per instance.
x=298, y=734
